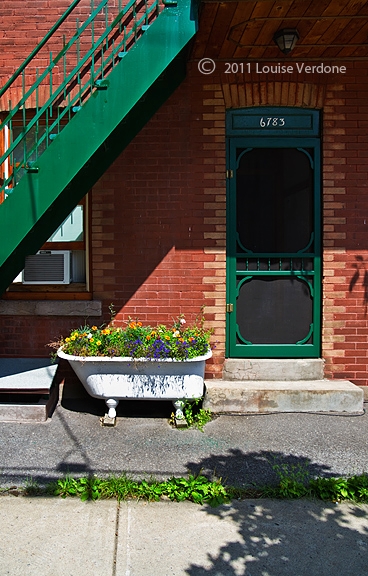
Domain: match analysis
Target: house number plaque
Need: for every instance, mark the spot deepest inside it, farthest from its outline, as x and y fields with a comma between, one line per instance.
x=273, y=122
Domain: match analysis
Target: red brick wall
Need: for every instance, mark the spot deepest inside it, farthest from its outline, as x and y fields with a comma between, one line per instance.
x=29, y=336
x=346, y=226
x=154, y=241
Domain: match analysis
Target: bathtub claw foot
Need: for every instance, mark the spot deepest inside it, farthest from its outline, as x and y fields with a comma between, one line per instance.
x=179, y=406
x=111, y=403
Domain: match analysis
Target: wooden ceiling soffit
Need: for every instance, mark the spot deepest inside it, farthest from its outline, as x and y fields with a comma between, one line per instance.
x=232, y=36
x=244, y=29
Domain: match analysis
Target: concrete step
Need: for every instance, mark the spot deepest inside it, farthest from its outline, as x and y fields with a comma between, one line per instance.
x=242, y=397
x=28, y=389
x=273, y=369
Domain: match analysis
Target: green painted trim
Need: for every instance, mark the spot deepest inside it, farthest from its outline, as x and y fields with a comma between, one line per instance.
x=276, y=351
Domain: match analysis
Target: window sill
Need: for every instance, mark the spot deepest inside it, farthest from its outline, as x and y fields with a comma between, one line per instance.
x=73, y=291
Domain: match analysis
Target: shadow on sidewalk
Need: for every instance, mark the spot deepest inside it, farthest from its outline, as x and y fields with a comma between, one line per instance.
x=257, y=468
x=289, y=538
x=282, y=537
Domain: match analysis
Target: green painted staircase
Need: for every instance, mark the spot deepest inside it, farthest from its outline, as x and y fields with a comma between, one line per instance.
x=109, y=88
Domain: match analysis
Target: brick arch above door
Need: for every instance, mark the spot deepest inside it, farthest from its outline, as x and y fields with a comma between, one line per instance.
x=272, y=93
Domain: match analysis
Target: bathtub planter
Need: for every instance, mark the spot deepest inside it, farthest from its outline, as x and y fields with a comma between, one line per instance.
x=124, y=378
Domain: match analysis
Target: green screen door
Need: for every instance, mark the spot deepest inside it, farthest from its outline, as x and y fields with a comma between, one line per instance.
x=273, y=260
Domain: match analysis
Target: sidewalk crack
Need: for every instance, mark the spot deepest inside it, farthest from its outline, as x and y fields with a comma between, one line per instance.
x=116, y=539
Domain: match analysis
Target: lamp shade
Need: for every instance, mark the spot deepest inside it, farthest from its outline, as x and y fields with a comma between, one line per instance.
x=286, y=39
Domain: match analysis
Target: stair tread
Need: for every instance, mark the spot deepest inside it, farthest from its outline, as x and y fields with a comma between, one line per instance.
x=297, y=385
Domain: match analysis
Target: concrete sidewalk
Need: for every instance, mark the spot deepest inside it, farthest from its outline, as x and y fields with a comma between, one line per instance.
x=55, y=537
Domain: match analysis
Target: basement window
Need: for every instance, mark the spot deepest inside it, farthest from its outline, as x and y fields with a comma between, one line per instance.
x=60, y=266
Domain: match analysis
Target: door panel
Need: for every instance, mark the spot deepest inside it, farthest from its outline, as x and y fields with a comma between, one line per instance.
x=273, y=272
x=273, y=310
x=274, y=196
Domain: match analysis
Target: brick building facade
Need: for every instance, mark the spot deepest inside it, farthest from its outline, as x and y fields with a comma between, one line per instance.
x=157, y=227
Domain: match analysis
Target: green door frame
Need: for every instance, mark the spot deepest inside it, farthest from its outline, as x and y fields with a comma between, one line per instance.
x=273, y=128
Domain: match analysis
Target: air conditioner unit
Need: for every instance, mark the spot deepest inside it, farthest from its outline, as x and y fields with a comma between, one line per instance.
x=47, y=267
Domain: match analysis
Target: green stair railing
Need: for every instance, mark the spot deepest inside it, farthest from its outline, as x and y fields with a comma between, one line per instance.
x=87, y=52
x=77, y=113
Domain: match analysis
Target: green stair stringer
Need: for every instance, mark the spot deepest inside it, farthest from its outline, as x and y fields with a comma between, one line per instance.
x=149, y=72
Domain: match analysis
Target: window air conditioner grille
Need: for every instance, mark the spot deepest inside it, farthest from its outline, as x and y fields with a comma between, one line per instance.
x=47, y=267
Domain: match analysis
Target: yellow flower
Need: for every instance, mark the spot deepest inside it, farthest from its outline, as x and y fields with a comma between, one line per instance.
x=73, y=337
x=148, y=337
x=67, y=339
x=91, y=339
x=98, y=342
x=94, y=327
x=167, y=337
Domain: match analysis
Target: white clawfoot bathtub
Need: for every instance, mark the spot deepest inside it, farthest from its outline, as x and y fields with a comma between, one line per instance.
x=119, y=378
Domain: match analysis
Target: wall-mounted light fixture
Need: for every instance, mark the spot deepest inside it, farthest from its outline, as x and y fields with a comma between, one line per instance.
x=286, y=39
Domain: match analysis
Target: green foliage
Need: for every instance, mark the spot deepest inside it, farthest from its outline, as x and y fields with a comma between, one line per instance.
x=338, y=489
x=197, y=489
x=194, y=416
x=178, y=342
x=197, y=418
x=289, y=488
x=88, y=488
x=295, y=482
